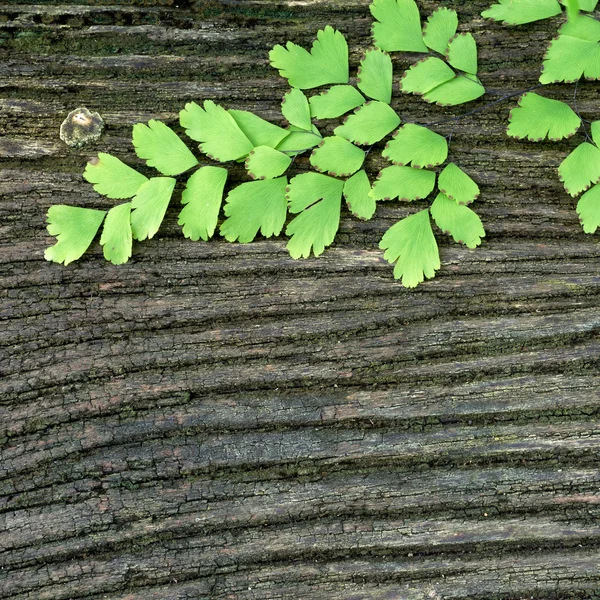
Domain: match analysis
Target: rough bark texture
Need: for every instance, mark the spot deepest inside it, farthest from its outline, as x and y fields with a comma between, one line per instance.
x=220, y=421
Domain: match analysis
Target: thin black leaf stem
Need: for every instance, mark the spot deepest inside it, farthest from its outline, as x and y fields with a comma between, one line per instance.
x=583, y=121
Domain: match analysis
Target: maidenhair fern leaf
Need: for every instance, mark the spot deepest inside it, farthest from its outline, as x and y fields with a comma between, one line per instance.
x=440, y=28
x=299, y=140
x=595, y=127
x=149, y=206
x=375, y=75
x=583, y=28
x=397, y=26
x=253, y=206
x=113, y=178
x=518, y=12
x=588, y=209
x=162, y=148
x=573, y=5
x=318, y=200
x=369, y=123
x=116, y=237
x=412, y=244
x=418, y=146
x=459, y=221
x=221, y=136
x=580, y=169
x=336, y=101
x=267, y=163
x=568, y=58
x=356, y=193
x=462, y=53
x=257, y=130
x=457, y=185
x=327, y=62
x=537, y=117
x=74, y=229
x=425, y=75
x=404, y=183
x=459, y=90
x=202, y=199
x=296, y=110
x=337, y=156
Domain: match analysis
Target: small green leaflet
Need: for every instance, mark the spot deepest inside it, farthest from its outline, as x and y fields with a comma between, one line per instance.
x=463, y=224
x=595, y=127
x=256, y=129
x=588, y=209
x=150, y=204
x=161, y=148
x=398, y=26
x=462, y=53
x=404, y=183
x=457, y=185
x=356, y=193
x=296, y=110
x=412, y=244
x=418, y=146
x=74, y=229
x=267, y=163
x=116, y=237
x=253, y=206
x=336, y=101
x=580, y=169
x=327, y=62
x=518, y=12
x=202, y=199
x=299, y=140
x=221, y=136
x=318, y=200
x=537, y=117
x=459, y=90
x=425, y=75
x=113, y=178
x=569, y=57
x=369, y=123
x=375, y=75
x=337, y=156
x=439, y=29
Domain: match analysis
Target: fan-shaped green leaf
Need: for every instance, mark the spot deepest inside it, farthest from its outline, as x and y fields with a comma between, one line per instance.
x=462, y=53
x=369, y=123
x=457, y=185
x=337, y=156
x=398, y=26
x=116, y=237
x=253, y=206
x=221, y=136
x=440, y=28
x=459, y=90
x=266, y=163
x=412, y=244
x=595, y=127
x=336, y=101
x=586, y=5
x=537, y=117
x=161, y=148
x=517, y=12
x=583, y=27
x=113, y=178
x=318, y=200
x=459, y=221
x=405, y=183
x=568, y=58
x=356, y=192
x=149, y=206
x=296, y=110
x=418, y=146
x=375, y=75
x=202, y=199
x=580, y=169
x=74, y=229
x=588, y=209
x=299, y=140
x=257, y=130
x=327, y=62
x=425, y=75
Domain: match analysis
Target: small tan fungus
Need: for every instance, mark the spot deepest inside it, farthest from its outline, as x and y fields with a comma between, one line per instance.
x=81, y=127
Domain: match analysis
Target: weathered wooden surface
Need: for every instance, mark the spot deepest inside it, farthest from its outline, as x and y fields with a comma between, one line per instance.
x=220, y=421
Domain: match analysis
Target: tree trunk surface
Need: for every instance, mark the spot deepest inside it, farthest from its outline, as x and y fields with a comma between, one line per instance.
x=216, y=420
